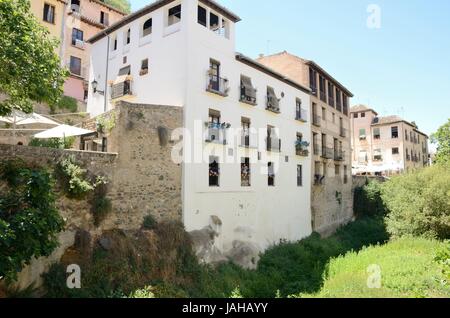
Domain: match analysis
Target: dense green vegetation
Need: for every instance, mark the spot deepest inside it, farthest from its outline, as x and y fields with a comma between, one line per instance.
x=56, y=143
x=30, y=69
x=442, y=139
x=66, y=103
x=29, y=220
x=408, y=268
x=122, y=5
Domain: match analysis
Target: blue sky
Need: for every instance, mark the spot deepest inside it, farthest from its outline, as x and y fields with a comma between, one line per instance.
x=402, y=68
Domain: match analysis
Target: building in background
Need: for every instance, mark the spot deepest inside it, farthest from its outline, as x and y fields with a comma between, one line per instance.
x=385, y=145
x=72, y=22
x=250, y=185
x=332, y=203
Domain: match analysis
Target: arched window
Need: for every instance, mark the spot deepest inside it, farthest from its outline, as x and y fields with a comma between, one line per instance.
x=147, y=27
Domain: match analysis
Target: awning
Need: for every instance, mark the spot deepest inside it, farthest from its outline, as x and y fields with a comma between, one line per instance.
x=273, y=99
x=125, y=70
x=20, y=118
x=63, y=131
x=249, y=89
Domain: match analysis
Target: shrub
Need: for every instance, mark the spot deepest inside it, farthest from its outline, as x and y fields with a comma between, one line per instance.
x=367, y=200
x=101, y=207
x=73, y=176
x=29, y=220
x=149, y=222
x=419, y=203
x=145, y=292
x=68, y=103
x=56, y=143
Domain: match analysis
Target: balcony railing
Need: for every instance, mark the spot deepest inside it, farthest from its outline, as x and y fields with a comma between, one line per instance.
x=217, y=85
x=316, y=120
x=378, y=158
x=339, y=155
x=301, y=115
x=327, y=153
x=272, y=104
x=273, y=144
x=248, y=95
x=343, y=132
x=245, y=141
x=216, y=133
x=331, y=101
x=408, y=158
x=301, y=148
x=121, y=89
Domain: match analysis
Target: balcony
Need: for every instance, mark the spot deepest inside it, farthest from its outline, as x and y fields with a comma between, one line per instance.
x=248, y=92
x=316, y=120
x=301, y=115
x=331, y=101
x=301, y=148
x=216, y=133
x=327, y=153
x=121, y=89
x=408, y=158
x=245, y=141
x=323, y=96
x=339, y=155
x=343, y=132
x=273, y=144
x=217, y=85
x=273, y=105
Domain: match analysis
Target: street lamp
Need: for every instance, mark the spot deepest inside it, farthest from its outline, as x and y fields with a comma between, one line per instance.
x=94, y=87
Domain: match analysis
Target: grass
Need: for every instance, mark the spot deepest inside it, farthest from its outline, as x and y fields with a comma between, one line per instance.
x=408, y=270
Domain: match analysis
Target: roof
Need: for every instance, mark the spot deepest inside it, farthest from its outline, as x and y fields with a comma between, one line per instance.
x=361, y=108
x=252, y=63
x=389, y=120
x=310, y=63
x=109, y=6
x=155, y=6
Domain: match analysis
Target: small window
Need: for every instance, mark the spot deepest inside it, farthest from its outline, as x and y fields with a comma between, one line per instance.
x=114, y=46
x=75, y=65
x=394, y=132
x=377, y=155
x=270, y=174
x=128, y=37
x=147, y=27
x=104, y=18
x=406, y=135
x=214, y=22
x=363, y=115
x=395, y=151
x=77, y=36
x=299, y=176
x=214, y=171
x=49, y=13
x=337, y=170
x=355, y=115
x=362, y=133
x=324, y=114
x=376, y=133
x=174, y=15
x=144, y=67
x=202, y=16
x=245, y=172
x=345, y=175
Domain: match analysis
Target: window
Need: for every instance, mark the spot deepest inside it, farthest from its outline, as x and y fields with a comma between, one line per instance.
x=334, y=118
x=338, y=100
x=337, y=170
x=345, y=175
x=394, y=132
x=201, y=13
x=330, y=94
x=376, y=133
x=323, y=96
x=214, y=22
x=299, y=176
x=214, y=171
x=245, y=172
x=362, y=156
x=49, y=13
x=355, y=115
x=128, y=37
x=147, y=27
x=324, y=114
x=144, y=67
x=270, y=174
x=377, y=156
x=245, y=122
x=395, y=151
x=114, y=46
x=362, y=133
x=313, y=81
x=363, y=115
x=77, y=35
x=411, y=136
x=174, y=15
x=214, y=75
x=104, y=18
x=345, y=104
x=75, y=65
x=406, y=135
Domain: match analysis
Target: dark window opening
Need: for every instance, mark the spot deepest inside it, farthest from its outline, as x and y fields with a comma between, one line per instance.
x=128, y=37
x=174, y=15
x=245, y=172
x=49, y=13
x=299, y=176
x=104, y=18
x=395, y=151
x=202, y=16
x=394, y=132
x=75, y=65
x=147, y=27
x=270, y=174
x=214, y=172
x=77, y=35
x=144, y=67
x=214, y=22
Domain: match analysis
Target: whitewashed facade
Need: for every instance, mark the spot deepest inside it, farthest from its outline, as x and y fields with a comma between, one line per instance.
x=181, y=51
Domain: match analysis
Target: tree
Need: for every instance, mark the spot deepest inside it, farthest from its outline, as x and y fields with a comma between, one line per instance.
x=30, y=69
x=122, y=5
x=442, y=139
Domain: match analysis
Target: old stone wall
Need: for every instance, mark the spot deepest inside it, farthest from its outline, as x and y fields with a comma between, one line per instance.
x=142, y=178
x=331, y=205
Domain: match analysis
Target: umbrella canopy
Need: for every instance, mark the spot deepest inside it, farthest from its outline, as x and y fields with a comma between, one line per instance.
x=20, y=118
x=63, y=131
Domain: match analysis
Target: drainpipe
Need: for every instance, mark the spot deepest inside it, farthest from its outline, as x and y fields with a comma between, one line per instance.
x=106, y=73
x=63, y=34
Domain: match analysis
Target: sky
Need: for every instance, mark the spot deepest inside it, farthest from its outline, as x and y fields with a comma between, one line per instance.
x=398, y=63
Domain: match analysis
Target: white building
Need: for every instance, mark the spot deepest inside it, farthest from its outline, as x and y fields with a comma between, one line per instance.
x=182, y=53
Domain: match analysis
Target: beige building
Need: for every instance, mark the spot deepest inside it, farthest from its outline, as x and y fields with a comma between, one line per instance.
x=385, y=145
x=331, y=203
x=73, y=22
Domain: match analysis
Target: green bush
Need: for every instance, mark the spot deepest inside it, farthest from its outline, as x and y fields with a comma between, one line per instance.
x=56, y=143
x=74, y=178
x=68, y=103
x=149, y=222
x=367, y=200
x=29, y=220
x=101, y=207
x=407, y=269
x=145, y=292
x=419, y=203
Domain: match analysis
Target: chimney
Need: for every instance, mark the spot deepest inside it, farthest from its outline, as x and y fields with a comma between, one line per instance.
x=261, y=55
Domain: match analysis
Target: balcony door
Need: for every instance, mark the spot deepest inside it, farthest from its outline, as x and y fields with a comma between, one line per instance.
x=214, y=75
